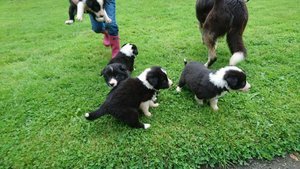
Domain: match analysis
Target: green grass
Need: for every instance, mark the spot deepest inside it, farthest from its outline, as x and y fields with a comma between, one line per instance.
x=50, y=77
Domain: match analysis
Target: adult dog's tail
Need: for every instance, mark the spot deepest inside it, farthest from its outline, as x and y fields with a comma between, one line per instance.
x=95, y=114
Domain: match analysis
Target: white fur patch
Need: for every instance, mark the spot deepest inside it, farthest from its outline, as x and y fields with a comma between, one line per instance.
x=113, y=82
x=170, y=82
x=144, y=106
x=217, y=78
x=199, y=101
x=163, y=70
x=87, y=115
x=80, y=11
x=236, y=58
x=100, y=2
x=146, y=126
x=127, y=50
x=142, y=77
x=178, y=89
x=214, y=104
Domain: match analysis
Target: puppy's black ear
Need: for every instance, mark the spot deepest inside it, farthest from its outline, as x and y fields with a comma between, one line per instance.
x=152, y=80
x=135, y=50
x=123, y=45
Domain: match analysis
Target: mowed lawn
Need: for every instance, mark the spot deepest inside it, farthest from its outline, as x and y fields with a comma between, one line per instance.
x=49, y=78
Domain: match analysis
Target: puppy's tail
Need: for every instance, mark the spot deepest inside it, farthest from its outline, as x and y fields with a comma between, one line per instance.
x=95, y=114
x=185, y=62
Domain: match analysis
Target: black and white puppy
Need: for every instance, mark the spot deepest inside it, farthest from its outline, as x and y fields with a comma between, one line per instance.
x=209, y=84
x=115, y=73
x=120, y=67
x=124, y=101
x=220, y=17
x=94, y=7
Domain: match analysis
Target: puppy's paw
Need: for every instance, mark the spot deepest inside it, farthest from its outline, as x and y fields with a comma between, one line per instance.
x=69, y=22
x=86, y=115
x=108, y=20
x=79, y=18
x=178, y=89
x=146, y=126
x=155, y=105
x=199, y=101
x=215, y=108
x=148, y=114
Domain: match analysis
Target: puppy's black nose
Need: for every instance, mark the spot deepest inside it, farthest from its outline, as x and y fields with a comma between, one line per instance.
x=101, y=16
x=111, y=84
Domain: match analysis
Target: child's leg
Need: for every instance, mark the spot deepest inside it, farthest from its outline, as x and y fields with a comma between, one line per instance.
x=97, y=27
x=113, y=30
x=110, y=8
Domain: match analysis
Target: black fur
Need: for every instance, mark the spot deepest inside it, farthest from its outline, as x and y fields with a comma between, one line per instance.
x=121, y=66
x=196, y=77
x=220, y=17
x=123, y=102
x=122, y=58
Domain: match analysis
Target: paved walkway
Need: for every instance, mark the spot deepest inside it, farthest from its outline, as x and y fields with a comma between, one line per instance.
x=278, y=163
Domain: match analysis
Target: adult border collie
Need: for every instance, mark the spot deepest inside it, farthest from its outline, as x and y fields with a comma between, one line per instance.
x=94, y=7
x=123, y=102
x=209, y=84
x=220, y=17
x=120, y=67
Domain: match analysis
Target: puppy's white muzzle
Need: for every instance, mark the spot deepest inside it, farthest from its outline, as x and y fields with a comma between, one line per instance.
x=113, y=82
x=246, y=88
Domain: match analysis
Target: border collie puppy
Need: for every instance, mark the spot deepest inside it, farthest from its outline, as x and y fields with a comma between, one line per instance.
x=209, y=84
x=115, y=73
x=220, y=17
x=120, y=67
x=123, y=102
x=94, y=7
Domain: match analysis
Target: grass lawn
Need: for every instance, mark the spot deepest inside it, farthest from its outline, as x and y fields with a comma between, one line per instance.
x=49, y=75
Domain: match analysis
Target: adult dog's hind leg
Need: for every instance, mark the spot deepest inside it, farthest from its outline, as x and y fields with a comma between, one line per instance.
x=210, y=41
x=236, y=46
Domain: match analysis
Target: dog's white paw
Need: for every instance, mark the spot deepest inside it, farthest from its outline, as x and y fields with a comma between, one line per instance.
x=215, y=108
x=148, y=114
x=69, y=22
x=178, y=89
x=155, y=105
x=199, y=101
x=108, y=20
x=87, y=115
x=79, y=18
x=146, y=126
